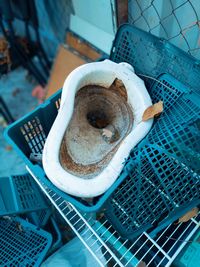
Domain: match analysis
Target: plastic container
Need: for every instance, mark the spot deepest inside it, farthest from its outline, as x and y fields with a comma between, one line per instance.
x=22, y=244
x=153, y=56
x=20, y=194
x=44, y=219
x=178, y=130
x=28, y=135
x=158, y=190
x=167, y=89
x=169, y=152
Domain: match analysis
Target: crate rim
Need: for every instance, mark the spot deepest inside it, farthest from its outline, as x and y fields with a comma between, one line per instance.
x=161, y=40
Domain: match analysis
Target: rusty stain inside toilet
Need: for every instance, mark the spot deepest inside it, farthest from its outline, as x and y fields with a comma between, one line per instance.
x=84, y=151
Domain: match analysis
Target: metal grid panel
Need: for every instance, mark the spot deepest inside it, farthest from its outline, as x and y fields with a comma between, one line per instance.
x=175, y=20
x=160, y=250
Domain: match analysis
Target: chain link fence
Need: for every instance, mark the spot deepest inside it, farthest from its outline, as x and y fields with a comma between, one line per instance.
x=178, y=21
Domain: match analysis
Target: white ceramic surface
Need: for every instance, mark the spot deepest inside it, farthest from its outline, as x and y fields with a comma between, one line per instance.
x=99, y=73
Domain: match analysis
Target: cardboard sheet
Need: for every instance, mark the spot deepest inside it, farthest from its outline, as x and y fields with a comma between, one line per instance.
x=64, y=63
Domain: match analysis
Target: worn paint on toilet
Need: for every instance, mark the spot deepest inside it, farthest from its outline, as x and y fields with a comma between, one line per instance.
x=84, y=152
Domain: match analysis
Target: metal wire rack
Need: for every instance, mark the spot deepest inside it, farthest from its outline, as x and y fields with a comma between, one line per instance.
x=159, y=250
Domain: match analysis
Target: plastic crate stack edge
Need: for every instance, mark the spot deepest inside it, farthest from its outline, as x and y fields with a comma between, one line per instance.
x=20, y=194
x=153, y=56
x=163, y=171
x=22, y=244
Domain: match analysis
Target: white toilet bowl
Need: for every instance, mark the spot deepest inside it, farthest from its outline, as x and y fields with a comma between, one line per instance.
x=82, y=157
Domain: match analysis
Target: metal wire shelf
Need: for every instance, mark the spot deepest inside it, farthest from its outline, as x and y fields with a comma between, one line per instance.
x=156, y=251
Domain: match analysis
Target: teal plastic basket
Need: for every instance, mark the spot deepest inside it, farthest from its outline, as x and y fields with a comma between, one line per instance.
x=157, y=190
x=178, y=131
x=153, y=56
x=22, y=244
x=28, y=135
x=162, y=173
x=168, y=90
x=20, y=194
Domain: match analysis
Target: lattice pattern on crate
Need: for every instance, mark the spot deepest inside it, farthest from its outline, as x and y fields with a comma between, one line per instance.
x=21, y=244
x=176, y=21
x=29, y=194
x=177, y=130
x=152, y=57
x=20, y=194
x=34, y=134
x=167, y=89
x=156, y=186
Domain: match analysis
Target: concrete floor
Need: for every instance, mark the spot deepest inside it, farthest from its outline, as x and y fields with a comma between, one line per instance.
x=15, y=88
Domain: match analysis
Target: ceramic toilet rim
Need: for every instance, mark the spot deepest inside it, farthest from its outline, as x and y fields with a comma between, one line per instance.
x=100, y=183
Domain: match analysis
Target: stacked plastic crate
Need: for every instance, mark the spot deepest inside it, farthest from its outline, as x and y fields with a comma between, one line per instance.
x=21, y=243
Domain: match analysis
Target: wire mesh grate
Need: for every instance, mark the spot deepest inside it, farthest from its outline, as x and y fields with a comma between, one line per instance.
x=159, y=250
x=176, y=21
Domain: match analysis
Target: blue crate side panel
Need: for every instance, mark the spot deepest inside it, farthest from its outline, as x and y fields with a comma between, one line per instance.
x=8, y=197
x=22, y=244
x=178, y=131
x=29, y=194
x=20, y=194
x=158, y=190
x=167, y=89
x=153, y=56
x=57, y=240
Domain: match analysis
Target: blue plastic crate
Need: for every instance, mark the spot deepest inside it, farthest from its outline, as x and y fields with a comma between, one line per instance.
x=20, y=194
x=168, y=153
x=178, y=130
x=167, y=89
x=153, y=56
x=157, y=190
x=28, y=135
x=22, y=244
x=45, y=220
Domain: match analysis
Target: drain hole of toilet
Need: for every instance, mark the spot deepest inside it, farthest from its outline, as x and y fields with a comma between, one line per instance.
x=98, y=119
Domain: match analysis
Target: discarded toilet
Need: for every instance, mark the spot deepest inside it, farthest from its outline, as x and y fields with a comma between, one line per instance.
x=98, y=123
